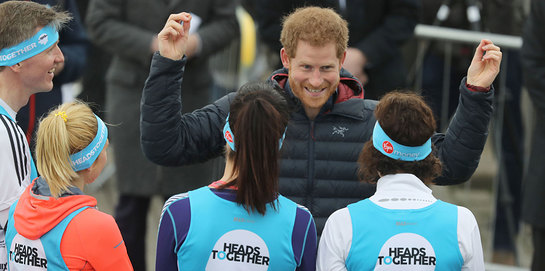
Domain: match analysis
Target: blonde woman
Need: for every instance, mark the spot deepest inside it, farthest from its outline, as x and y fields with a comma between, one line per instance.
x=54, y=226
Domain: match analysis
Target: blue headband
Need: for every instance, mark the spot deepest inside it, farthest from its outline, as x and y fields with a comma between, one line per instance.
x=42, y=40
x=85, y=158
x=230, y=137
x=394, y=150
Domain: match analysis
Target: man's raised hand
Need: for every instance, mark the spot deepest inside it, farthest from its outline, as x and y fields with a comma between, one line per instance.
x=173, y=37
x=485, y=64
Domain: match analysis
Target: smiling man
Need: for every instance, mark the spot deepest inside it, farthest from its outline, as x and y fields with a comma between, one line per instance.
x=329, y=124
x=314, y=75
x=29, y=56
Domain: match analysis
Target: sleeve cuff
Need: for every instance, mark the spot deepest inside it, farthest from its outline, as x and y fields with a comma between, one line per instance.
x=477, y=88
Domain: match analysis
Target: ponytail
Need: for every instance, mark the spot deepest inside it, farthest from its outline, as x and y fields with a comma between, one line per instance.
x=258, y=118
x=67, y=129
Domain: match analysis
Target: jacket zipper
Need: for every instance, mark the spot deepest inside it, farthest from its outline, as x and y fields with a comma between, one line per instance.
x=311, y=162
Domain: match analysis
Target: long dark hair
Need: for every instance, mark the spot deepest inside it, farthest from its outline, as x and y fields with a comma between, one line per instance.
x=258, y=118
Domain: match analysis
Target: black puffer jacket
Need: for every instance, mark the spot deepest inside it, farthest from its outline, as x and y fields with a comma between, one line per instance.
x=319, y=157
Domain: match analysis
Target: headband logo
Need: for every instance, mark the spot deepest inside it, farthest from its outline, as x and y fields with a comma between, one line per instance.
x=394, y=150
x=387, y=147
x=43, y=39
x=228, y=136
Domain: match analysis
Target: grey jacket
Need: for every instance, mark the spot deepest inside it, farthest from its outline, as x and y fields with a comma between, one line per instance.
x=125, y=29
x=319, y=166
x=533, y=63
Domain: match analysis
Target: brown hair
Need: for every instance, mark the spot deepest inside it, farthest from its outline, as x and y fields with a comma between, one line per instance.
x=409, y=121
x=317, y=26
x=19, y=21
x=258, y=118
x=57, y=139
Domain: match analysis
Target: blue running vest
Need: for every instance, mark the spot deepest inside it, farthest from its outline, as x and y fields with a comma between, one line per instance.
x=40, y=254
x=223, y=236
x=415, y=239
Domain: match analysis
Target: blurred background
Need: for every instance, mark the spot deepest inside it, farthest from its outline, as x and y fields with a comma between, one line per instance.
x=433, y=54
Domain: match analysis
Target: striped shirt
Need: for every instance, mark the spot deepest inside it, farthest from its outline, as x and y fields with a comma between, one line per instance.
x=15, y=165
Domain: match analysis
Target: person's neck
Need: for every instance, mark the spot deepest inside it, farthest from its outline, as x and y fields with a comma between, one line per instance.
x=84, y=177
x=228, y=174
x=11, y=93
x=311, y=112
x=79, y=183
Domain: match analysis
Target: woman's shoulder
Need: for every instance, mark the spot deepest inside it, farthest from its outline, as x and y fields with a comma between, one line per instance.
x=91, y=219
x=465, y=216
x=93, y=237
x=89, y=230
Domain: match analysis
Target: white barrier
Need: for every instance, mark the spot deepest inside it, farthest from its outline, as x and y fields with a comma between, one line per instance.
x=465, y=36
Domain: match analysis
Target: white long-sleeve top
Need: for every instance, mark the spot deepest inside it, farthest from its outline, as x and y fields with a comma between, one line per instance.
x=14, y=162
x=336, y=238
x=15, y=169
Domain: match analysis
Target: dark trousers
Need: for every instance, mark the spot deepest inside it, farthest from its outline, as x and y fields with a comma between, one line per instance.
x=538, y=239
x=131, y=215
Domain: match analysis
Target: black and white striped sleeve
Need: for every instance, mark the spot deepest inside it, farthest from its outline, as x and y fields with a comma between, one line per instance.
x=14, y=162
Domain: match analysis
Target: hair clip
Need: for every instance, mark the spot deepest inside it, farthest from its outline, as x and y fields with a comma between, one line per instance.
x=62, y=114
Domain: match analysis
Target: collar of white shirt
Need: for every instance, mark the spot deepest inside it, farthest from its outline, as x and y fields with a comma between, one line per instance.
x=402, y=191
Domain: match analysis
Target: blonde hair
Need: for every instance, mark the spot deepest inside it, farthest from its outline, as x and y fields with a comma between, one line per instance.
x=317, y=26
x=67, y=129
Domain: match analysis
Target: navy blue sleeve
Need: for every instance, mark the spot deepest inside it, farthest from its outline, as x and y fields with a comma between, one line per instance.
x=169, y=138
x=304, y=240
x=173, y=229
x=461, y=146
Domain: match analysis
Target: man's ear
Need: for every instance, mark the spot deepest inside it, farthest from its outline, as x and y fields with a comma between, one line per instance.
x=343, y=58
x=285, y=58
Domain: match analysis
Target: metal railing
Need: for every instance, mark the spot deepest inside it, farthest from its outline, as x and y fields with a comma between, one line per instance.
x=449, y=37
x=422, y=31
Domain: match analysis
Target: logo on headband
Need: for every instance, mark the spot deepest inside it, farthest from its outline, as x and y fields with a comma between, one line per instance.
x=387, y=147
x=43, y=39
x=394, y=150
x=228, y=136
